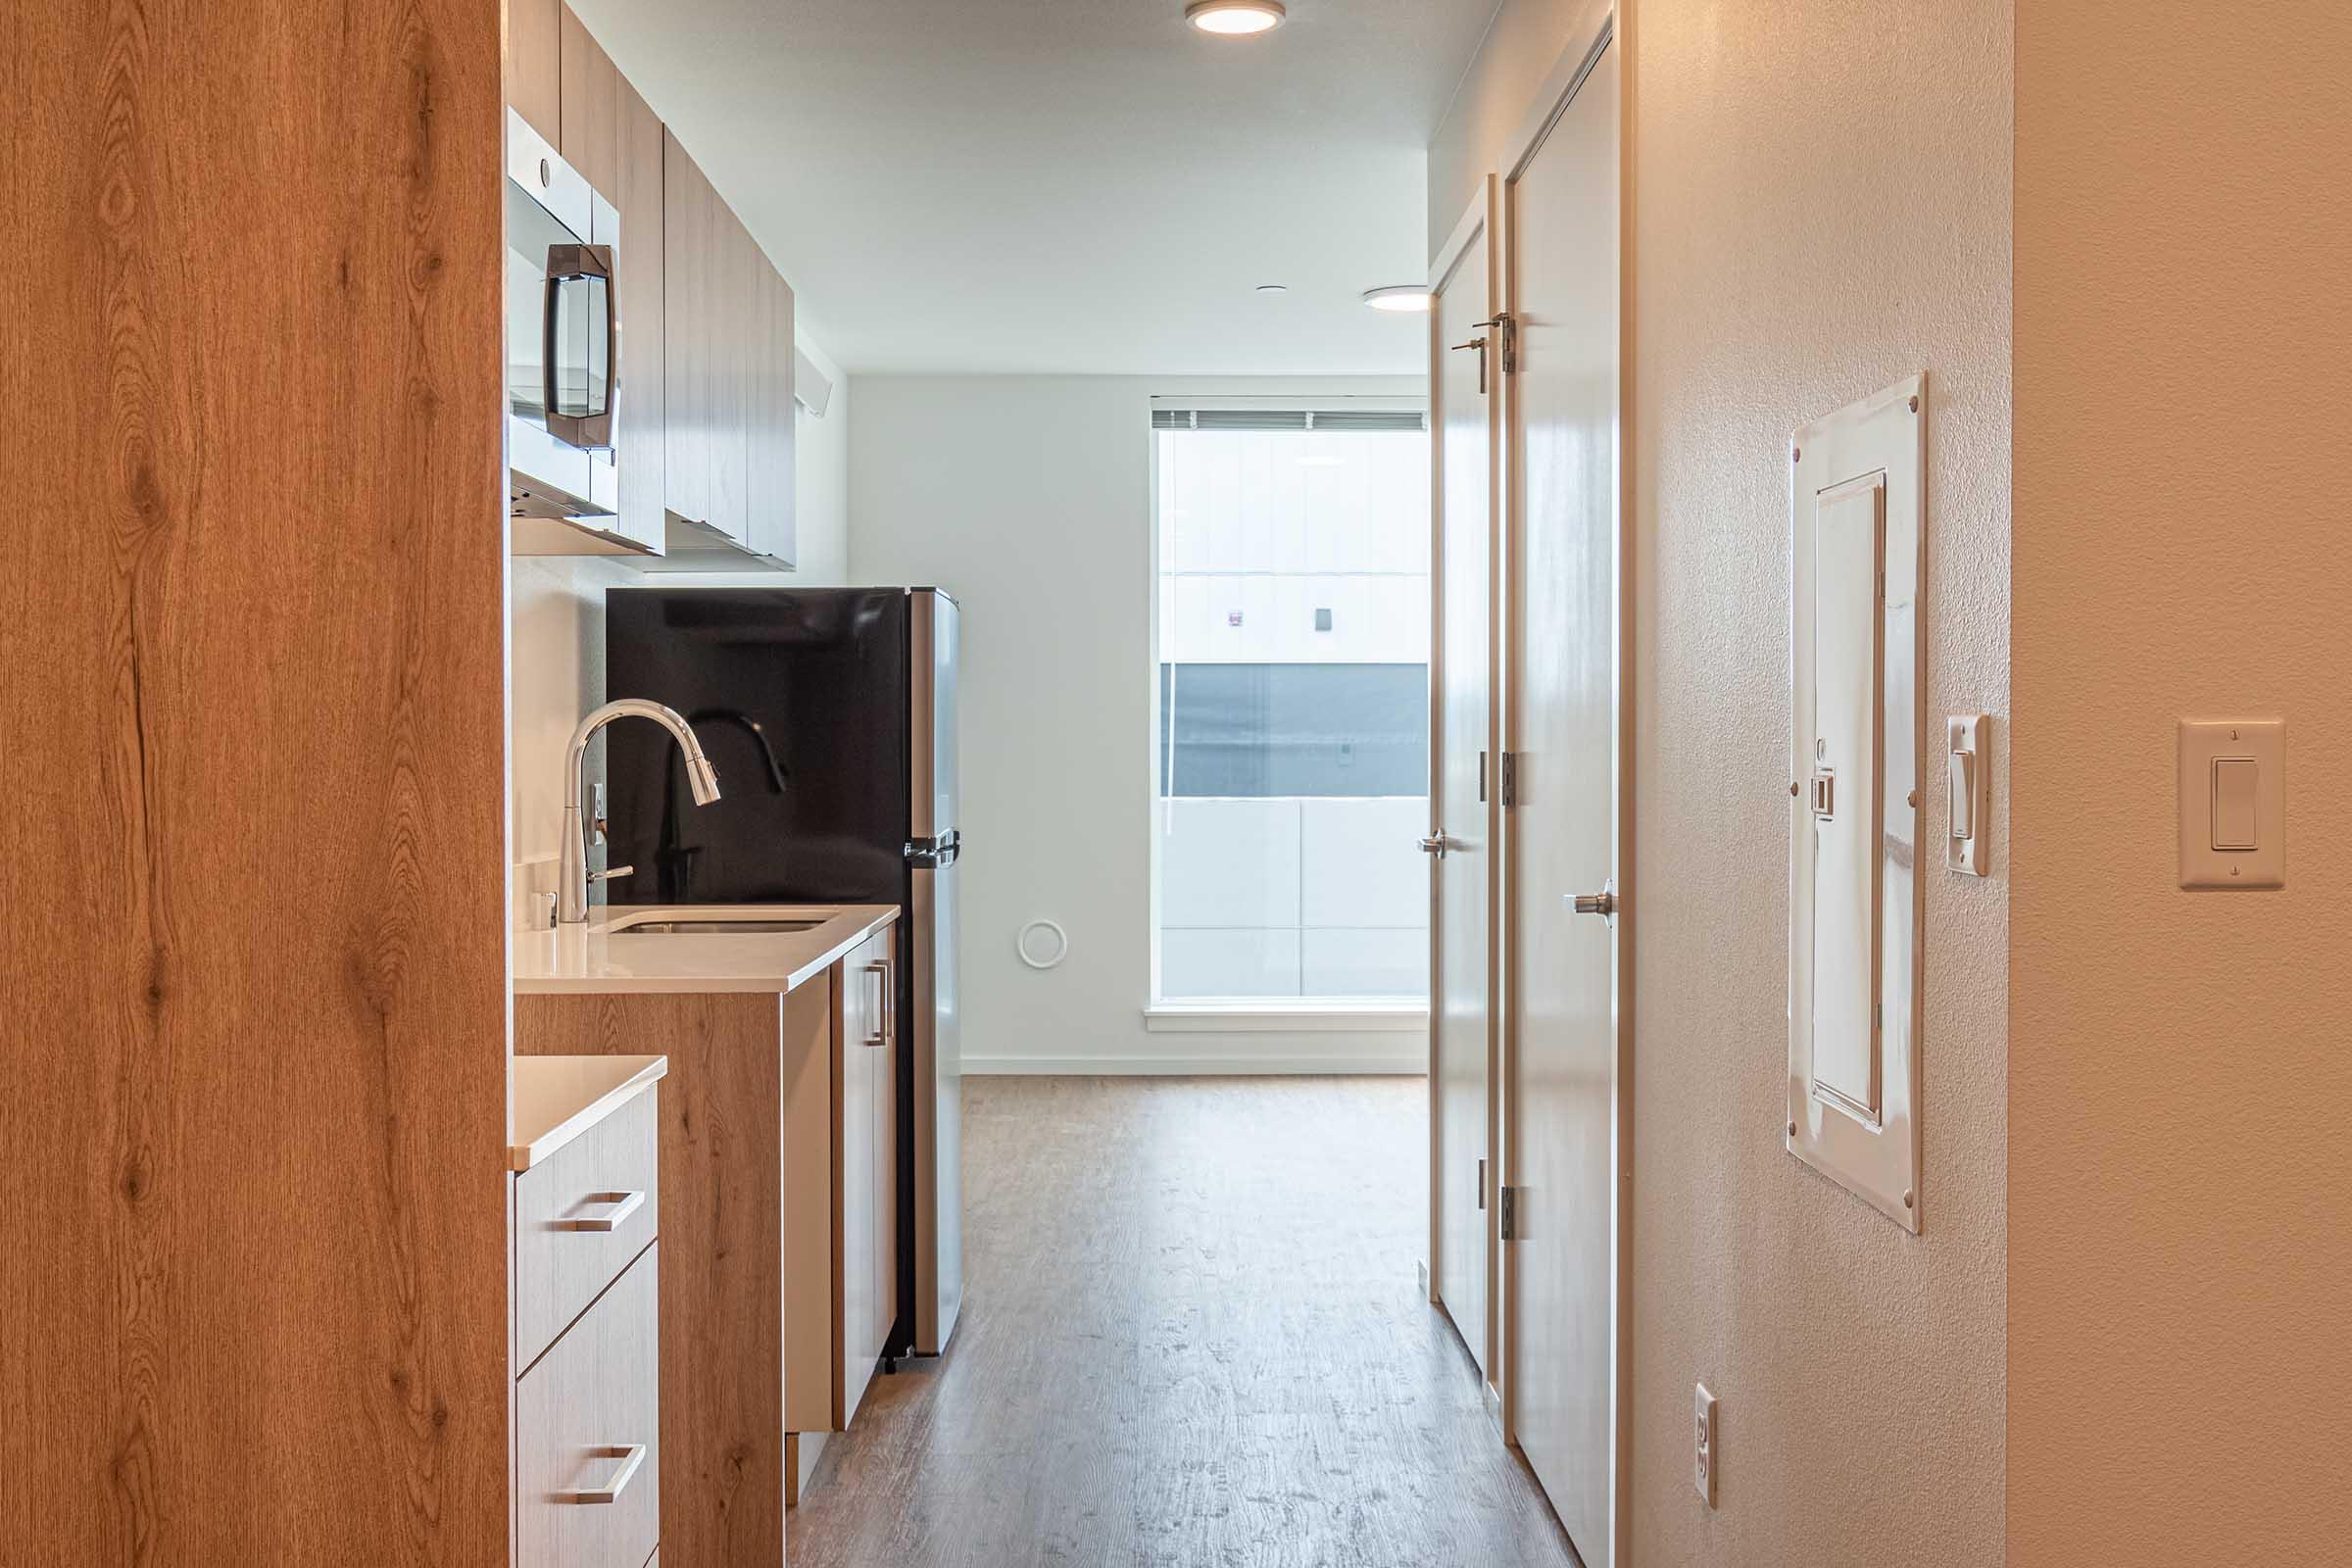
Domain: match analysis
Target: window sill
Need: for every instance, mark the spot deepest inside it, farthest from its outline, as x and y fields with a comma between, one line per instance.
x=1258, y=1016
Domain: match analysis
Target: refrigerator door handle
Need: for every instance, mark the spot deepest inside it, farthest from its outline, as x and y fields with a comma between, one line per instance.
x=929, y=854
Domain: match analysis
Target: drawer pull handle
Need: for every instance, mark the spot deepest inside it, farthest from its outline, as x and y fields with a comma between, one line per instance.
x=630, y=1455
x=886, y=1002
x=623, y=1206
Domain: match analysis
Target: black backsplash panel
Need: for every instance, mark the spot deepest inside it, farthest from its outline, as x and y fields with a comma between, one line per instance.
x=819, y=676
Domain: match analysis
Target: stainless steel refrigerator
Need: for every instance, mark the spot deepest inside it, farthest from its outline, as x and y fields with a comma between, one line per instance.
x=830, y=715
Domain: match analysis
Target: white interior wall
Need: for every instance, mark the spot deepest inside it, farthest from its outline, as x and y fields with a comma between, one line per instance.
x=558, y=614
x=1030, y=499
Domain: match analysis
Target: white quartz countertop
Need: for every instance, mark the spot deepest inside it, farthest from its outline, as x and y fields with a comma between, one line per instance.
x=595, y=957
x=559, y=1097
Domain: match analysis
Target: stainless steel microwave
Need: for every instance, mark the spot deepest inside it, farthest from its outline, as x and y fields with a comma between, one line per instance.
x=563, y=348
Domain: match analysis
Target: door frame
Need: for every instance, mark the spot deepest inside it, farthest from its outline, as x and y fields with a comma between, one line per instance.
x=1483, y=214
x=1598, y=26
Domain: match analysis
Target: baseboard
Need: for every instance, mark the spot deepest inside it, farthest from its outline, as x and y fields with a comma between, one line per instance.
x=1411, y=1061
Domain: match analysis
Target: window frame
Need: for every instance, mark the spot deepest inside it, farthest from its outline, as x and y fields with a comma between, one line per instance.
x=1244, y=1014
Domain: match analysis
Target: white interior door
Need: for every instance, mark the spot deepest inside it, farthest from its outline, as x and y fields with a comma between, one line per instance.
x=1464, y=372
x=1563, y=1064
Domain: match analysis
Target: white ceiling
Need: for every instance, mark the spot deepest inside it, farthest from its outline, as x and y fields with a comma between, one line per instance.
x=1066, y=185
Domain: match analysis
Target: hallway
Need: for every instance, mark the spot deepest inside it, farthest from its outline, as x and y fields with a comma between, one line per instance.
x=1192, y=1337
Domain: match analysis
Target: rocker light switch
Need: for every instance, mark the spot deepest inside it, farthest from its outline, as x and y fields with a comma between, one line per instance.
x=2234, y=803
x=2235, y=821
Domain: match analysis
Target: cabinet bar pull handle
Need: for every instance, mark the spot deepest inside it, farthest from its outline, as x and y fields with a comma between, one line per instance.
x=625, y=1205
x=885, y=1003
x=630, y=1455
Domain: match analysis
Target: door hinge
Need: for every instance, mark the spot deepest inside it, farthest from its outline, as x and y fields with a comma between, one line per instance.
x=1481, y=778
x=1506, y=1212
x=1510, y=778
x=1506, y=329
x=1482, y=1184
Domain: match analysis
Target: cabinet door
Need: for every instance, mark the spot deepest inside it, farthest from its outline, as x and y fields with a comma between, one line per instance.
x=534, y=65
x=611, y=137
x=707, y=320
x=771, y=434
x=886, y=1152
x=587, y=1434
x=864, y=1009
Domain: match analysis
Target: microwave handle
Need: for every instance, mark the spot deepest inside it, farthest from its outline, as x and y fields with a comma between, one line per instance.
x=567, y=264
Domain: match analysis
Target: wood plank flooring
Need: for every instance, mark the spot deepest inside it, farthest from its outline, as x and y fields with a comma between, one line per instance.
x=1191, y=1338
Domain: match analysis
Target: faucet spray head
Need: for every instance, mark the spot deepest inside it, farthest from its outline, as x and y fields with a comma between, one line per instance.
x=700, y=777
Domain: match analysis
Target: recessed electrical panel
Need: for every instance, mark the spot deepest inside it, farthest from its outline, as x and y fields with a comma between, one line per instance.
x=1857, y=656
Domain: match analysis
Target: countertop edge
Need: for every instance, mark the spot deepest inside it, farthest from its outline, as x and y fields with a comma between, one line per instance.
x=854, y=932
x=522, y=1157
x=841, y=948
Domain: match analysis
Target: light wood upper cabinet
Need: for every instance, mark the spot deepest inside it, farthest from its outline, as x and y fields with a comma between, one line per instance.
x=707, y=364
x=705, y=419
x=727, y=329
x=771, y=432
x=534, y=64
x=611, y=137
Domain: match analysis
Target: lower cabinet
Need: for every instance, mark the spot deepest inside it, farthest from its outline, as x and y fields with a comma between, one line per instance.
x=587, y=1434
x=841, y=1191
x=586, y=1334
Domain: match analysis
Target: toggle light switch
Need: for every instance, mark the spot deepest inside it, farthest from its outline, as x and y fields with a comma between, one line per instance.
x=1968, y=788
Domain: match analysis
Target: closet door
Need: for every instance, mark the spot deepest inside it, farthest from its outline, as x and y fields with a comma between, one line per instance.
x=1465, y=383
x=1565, y=1073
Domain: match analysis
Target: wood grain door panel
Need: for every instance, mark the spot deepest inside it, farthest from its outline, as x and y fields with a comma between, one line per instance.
x=253, y=738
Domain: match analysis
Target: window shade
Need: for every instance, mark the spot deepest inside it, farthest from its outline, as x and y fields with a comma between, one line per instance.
x=1288, y=420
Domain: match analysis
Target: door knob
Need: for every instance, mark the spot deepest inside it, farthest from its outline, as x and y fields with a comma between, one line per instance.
x=1602, y=903
x=1434, y=844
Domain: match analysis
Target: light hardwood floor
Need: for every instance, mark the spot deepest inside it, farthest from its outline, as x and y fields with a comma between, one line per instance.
x=1191, y=1338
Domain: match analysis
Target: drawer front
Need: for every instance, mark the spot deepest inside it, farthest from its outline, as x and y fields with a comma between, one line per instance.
x=580, y=1217
x=587, y=1438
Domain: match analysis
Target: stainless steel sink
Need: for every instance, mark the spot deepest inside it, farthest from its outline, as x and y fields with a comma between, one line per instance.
x=707, y=928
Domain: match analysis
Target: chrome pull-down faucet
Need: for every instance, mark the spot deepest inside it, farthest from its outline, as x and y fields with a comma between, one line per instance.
x=572, y=896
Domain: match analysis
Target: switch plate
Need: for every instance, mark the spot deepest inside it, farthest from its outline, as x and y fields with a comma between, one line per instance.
x=2232, y=793
x=1967, y=791
x=1703, y=1440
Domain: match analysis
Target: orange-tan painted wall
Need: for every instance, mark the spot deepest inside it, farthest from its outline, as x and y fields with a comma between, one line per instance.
x=2181, y=1065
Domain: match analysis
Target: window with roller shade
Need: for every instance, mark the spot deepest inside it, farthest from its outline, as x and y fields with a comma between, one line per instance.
x=1292, y=667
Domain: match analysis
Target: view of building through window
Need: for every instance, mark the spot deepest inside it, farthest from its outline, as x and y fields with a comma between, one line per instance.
x=1293, y=708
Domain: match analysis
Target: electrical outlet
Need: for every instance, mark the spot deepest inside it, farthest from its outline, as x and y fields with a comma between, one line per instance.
x=1703, y=1472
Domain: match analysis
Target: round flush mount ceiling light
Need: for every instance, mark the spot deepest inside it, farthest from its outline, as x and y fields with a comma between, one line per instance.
x=1272, y=289
x=1400, y=298
x=1235, y=15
